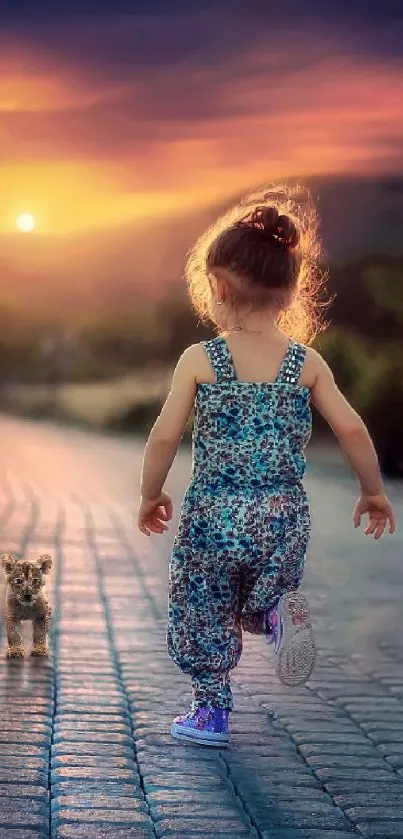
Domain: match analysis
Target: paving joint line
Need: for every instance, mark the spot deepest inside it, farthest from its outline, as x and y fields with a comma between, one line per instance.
x=238, y=797
x=357, y=724
x=55, y=638
x=388, y=694
x=121, y=534
x=32, y=520
x=8, y=507
x=284, y=729
x=109, y=631
x=5, y=515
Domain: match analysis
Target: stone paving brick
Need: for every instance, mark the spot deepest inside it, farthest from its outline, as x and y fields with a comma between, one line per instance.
x=343, y=786
x=207, y=767
x=306, y=834
x=212, y=796
x=381, y=830
x=396, y=761
x=12, y=761
x=190, y=827
x=206, y=809
x=342, y=749
x=72, y=736
x=94, y=786
x=376, y=812
x=96, y=831
x=81, y=707
x=384, y=798
x=264, y=817
x=94, y=761
x=21, y=775
x=63, y=724
x=21, y=833
x=98, y=773
x=329, y=773
x=28, y=806
x=178, y=781
x=97, y=801
x=26, y=751
x=26, y=737
x=10, y=819
x=101, y=817
x=23, y=791
x=201, y=834
x=85, y=748
x=296, y=779
x=346, y=761
x=269, y=793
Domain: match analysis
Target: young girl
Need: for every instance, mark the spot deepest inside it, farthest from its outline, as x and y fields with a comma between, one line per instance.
x=240, y=547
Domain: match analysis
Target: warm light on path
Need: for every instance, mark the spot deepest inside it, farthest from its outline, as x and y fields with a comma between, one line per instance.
x=25, y=222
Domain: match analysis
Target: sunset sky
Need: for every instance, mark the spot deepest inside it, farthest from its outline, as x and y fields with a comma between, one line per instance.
x=109, y=117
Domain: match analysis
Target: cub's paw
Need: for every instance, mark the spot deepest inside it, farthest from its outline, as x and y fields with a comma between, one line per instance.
x=40, y=651
x=15, y=652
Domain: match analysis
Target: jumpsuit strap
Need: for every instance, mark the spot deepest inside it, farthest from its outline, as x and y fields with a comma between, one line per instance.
x=292, y=364
x=219, y=355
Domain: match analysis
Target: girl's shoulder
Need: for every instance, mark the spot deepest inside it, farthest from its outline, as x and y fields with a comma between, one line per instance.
x=313, y=363
x=197, y=361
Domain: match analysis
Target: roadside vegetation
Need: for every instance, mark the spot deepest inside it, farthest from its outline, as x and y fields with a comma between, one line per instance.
x=111, y=369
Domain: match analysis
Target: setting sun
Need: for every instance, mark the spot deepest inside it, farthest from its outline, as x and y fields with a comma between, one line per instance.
x=25, y=222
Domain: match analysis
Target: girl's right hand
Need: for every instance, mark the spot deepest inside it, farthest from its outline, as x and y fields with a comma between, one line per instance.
x=379, y=512
x=153, y=513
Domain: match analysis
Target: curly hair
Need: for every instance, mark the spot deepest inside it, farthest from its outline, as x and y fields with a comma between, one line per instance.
x=268, y=243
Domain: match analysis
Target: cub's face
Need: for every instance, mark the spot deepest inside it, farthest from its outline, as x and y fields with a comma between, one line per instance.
x=26, y=578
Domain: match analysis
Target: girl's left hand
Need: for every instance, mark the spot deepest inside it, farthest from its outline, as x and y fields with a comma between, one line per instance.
x=153, y=513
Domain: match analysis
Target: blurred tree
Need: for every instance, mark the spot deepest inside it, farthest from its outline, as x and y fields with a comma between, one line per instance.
x=359, y=304
x=346, y=352
x=385, y=282
x=182, y=326
x=124, y=338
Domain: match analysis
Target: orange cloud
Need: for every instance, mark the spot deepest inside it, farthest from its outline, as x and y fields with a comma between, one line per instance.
x=82, y=151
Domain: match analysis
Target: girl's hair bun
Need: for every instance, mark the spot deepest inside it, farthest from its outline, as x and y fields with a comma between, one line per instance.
x=281, y=228
x=288, y=233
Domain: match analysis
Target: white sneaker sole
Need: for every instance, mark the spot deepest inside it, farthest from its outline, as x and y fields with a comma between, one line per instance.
x=296, y=653
x=204, y=738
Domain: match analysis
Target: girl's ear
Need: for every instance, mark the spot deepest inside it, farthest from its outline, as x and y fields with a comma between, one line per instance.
x=8, y=563
x=213, y=284
x=222, y=289
x=45, y=563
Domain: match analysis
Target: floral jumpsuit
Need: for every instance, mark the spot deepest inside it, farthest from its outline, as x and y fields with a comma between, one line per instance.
x=245, y=525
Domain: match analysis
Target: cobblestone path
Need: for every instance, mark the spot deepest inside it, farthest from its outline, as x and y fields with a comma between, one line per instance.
x=85, y=749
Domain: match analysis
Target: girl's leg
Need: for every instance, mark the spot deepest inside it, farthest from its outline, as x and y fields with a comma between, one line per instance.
x=204, y=635
x=272, y=605
x=211, y=685
x=279, y=565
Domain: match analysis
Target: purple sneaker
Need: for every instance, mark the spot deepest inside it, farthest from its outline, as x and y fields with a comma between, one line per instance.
x=208, y=726
x=294, y=640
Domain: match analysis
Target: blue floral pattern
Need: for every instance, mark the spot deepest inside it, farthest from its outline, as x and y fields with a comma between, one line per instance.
x=245, y=524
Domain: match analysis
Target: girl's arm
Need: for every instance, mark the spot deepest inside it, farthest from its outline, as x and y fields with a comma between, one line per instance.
x=356, y=442
x=163, y=442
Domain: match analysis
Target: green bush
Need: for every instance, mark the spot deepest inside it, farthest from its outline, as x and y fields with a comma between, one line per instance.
x=381, y=397
x=346, y=352
x=371, y=377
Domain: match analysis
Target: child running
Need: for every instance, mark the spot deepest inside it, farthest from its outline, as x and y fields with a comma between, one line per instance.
x=240, y=547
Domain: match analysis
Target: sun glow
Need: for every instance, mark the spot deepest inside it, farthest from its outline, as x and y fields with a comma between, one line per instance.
x=25, y=222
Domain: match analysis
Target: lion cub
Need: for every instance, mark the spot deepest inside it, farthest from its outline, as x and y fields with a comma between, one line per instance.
x=26, y=600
